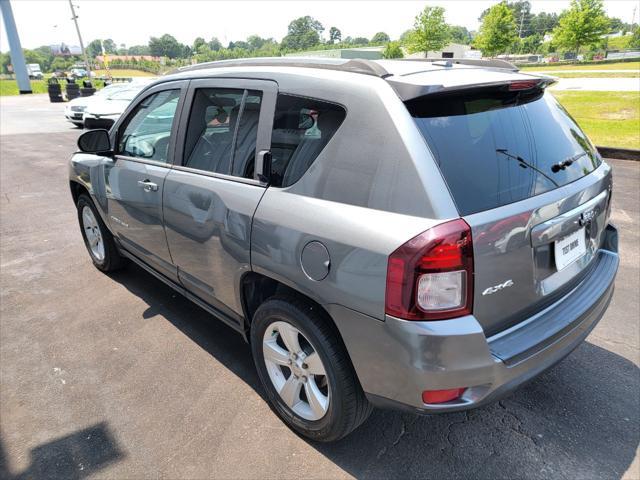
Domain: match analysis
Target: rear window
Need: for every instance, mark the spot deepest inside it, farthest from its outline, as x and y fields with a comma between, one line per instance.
x=496, y=147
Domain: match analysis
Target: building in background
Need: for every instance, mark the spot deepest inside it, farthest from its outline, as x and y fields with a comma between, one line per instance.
x=453, y=50
x=368, y=53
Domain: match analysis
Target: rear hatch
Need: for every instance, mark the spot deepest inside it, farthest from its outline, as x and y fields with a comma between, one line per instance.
x=529, y=183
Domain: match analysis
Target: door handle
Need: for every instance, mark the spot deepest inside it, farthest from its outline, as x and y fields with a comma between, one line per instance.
x=147, y=185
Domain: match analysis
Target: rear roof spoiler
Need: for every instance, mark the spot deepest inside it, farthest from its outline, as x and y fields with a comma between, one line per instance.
x=476, y=62
x=410, y=91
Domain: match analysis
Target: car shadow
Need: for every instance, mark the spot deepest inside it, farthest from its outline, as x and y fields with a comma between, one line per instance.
x=72, y=457
x=578, y=420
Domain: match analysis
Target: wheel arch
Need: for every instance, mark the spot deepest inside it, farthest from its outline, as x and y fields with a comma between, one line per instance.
x=77, y=189
x=256, y=288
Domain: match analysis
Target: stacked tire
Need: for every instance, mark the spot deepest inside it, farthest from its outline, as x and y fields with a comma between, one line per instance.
x=73, y=90
x=87, y=89
x=55, y=91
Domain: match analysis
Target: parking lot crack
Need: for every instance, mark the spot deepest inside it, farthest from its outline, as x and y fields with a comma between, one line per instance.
x=518, y=428
x=449, y=429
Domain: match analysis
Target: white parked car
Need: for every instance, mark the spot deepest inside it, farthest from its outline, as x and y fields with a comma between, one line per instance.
x=103, y=111
x=74, y=110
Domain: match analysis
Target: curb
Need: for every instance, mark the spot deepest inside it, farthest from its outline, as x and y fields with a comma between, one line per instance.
x=619, y=153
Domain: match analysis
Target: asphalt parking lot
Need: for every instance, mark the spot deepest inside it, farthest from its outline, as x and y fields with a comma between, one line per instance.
x=116, y=376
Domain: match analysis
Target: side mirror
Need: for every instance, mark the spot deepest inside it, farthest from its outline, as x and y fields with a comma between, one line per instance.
x=94, y=141
x=263, y=166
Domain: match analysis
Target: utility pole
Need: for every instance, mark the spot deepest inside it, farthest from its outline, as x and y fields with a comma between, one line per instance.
x=521, y=22
x=520, y=31
x=74, y=17
x=17, y=57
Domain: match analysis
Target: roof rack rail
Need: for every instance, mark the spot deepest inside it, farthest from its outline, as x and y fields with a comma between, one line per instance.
x=366, y=67
x=491, y=63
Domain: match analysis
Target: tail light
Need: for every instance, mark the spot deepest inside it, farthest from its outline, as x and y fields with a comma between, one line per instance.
x=523, y=85
x=431, y=276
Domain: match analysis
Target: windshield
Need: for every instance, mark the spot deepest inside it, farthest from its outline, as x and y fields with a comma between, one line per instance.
x=127, y=95
x=498, y=147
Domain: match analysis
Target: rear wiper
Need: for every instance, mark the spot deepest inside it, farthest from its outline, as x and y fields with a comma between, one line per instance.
x=524, y=164
x=556, y=167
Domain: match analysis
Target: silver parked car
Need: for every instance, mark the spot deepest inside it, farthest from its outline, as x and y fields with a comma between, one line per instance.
x=408, y=234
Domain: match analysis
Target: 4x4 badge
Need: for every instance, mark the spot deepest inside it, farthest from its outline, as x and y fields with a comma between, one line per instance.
x=497, y=288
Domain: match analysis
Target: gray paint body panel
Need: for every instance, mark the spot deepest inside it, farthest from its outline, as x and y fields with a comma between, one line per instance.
x=373, y=187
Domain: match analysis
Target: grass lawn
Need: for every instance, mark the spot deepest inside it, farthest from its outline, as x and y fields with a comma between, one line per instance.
x=10, y=87
x=591, y=74
x=610, y=119
x=633, y=66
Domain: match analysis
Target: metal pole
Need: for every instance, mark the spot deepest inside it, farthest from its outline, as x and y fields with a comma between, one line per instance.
x=17, y=57
x=520, y=31
x=84, y=52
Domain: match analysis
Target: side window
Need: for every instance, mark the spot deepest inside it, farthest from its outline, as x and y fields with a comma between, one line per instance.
x=147, y=131
x=302, y=127
x=222, y=131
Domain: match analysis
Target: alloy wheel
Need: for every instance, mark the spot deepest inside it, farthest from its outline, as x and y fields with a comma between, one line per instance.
x=93, y=233
x=296, y=370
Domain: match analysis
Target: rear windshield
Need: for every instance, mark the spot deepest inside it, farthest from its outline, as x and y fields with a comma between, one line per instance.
x=496, y=147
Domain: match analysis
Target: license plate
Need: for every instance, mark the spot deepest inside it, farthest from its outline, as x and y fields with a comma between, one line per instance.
x=570, y=248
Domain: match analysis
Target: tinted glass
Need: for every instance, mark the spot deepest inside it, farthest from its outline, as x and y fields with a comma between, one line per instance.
x=222, y=131
x=498, y=147
x=147, y=131
x=243, y=163
x=302, y=127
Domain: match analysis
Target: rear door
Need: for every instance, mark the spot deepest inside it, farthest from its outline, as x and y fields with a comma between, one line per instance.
x=135, y=181
x=531, y=186
x=211, y=195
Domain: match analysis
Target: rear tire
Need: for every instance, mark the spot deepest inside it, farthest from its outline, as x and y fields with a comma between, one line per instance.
x=335, y=404
x=97, y=237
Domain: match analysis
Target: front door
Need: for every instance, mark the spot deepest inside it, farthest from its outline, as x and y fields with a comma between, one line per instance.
x=210, y=198
x=135, y=181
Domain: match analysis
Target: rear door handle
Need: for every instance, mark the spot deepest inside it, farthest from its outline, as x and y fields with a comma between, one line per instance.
x=147, y=185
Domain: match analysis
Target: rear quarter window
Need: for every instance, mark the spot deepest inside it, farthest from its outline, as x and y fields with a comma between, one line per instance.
x=497, y=147
x=302, y=127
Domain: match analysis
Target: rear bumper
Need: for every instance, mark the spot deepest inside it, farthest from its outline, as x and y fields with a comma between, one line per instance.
x=396, y=360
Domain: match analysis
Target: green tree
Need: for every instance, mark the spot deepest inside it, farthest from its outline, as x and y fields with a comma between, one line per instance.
x=531, y=44
x=95, y=47
x=165, y=46
x=392, y=50
x=634, y=42
x=543, y=22
x=5, y=61
x=460, y=35
x=256, y=43
x=404, y=37
x=430, y=31
x=302, y=33
x=139, y=50
x=498, y=30
x=335, y=35
x=521, y=10
x=110, y=46
x=215, y=44
x=197, y=43
x=380, y=38
x=581, y=26
x=361, y=41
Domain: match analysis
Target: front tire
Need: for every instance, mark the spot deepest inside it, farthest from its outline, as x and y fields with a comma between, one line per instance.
x=306, y=371
x=97, y=237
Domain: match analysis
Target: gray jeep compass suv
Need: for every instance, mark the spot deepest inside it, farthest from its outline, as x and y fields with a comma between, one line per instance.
x=424, y=235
